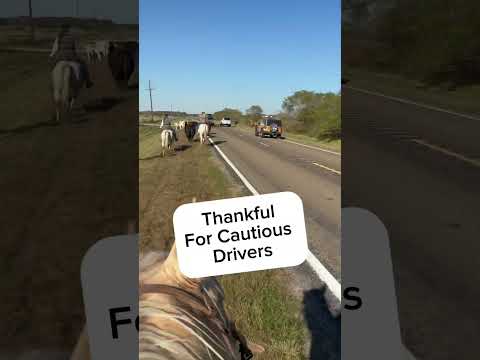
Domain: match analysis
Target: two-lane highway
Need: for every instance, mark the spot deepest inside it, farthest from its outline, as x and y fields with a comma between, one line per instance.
x=273, y=165
x=416, y=168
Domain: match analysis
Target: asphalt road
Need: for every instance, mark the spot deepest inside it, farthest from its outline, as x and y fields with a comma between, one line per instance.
x=274, y=165
x=417, y=170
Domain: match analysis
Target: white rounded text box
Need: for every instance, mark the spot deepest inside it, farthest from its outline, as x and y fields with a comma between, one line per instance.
x=240, y=234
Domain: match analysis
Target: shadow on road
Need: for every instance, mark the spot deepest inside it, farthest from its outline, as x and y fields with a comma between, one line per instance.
x=325, y=331
x=183, y=147
x=25, y=128
x=159, y=156
x=103, y=104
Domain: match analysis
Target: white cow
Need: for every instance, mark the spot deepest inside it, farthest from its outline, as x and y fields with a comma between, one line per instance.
x=90, y=52
x=100, y=48
x=203, y=133
x=168, y=141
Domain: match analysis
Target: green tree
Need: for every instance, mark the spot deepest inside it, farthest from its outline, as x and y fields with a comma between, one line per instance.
x=299, y=100
x=254, y=110
x=254, y=113
x=317, y=114
x=233, y=114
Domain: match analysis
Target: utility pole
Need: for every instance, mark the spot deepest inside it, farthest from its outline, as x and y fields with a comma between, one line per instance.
x=151, y=102
x=30, y=18
x=76, y=7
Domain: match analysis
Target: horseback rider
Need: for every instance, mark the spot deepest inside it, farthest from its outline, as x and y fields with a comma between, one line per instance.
x=167, y=125
x=203, y=118
x=65, y=49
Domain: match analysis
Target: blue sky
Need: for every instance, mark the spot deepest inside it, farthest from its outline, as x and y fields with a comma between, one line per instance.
x=210, y=54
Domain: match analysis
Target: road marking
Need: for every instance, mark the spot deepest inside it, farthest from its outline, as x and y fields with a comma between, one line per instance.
x=327, y=168
x=407, y=355
x=300, y=144
x=330, y=281
x=409, y=102
x=260, y=142
x=234, y=168
x=448, y=152
x=313, y=147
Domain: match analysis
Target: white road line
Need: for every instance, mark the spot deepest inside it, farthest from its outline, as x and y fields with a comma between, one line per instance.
x=307, y=146
x=234, y=168
x=409, y=102
x=327, y=168
x=407, y=355
x=447, y=152
x=320, y=270
x=264, y=144
x=324, y=275
x=313, y=147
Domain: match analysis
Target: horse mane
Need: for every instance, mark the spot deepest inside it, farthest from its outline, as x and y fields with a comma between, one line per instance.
x=172, y=328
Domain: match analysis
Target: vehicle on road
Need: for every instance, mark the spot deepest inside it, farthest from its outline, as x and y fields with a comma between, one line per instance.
x=269, y=127
x=226, y=121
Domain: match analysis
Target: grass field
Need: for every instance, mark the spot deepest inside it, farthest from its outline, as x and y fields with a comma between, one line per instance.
x=25, y=86
x=259, y=302
x=62, y=188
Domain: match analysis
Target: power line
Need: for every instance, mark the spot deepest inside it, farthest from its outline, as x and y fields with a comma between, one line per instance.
x=151, y=102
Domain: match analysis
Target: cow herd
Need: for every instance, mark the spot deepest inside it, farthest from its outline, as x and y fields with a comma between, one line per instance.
x=122, y=58
x=96, y=51
x=191, y=129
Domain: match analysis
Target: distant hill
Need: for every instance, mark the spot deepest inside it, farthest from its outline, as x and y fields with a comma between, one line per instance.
x=54, y=21
x=162, y=113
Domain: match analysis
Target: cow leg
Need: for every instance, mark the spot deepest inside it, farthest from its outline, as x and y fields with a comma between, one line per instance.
x=57, y=111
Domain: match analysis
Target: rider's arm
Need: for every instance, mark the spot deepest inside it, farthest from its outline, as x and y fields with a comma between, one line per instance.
x=55, y=47
x=76, y=41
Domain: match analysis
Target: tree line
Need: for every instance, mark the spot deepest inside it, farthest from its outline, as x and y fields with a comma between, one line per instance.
x=435, y=41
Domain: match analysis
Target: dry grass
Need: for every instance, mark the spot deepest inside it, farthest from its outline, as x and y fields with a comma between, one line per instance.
x=464, y=100
x=260, y=304
x=62, y=188
x=26, y=79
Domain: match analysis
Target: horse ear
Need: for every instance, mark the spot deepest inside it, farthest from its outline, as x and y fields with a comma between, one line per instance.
x=170, y=274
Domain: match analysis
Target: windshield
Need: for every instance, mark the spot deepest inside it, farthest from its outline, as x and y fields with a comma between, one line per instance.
x=227, y=118
x=274, y=121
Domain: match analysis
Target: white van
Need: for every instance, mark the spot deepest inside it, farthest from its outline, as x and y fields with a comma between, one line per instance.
x=226, y=122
